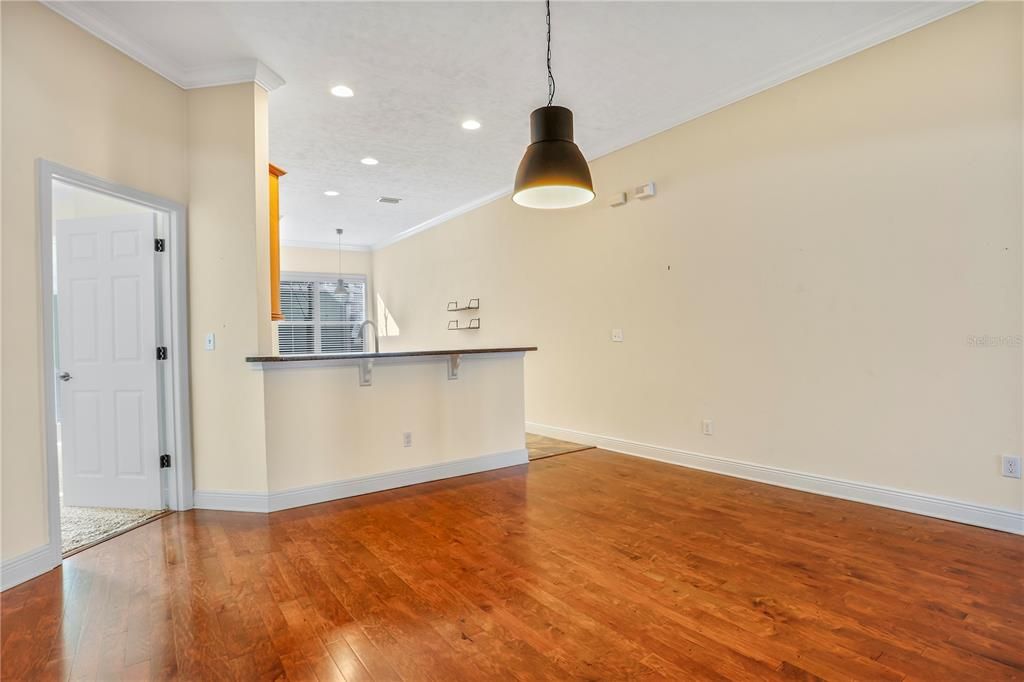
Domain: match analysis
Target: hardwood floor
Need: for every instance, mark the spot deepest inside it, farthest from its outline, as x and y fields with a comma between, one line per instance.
x=590, y=566
x=540, y=447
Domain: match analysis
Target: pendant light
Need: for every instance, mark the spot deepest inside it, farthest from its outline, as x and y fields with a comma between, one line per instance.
x=553, y=172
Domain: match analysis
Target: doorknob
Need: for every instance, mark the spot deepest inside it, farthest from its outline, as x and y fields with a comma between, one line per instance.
x=64, y=376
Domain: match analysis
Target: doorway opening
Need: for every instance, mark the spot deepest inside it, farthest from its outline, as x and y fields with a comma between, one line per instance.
x=117, y=432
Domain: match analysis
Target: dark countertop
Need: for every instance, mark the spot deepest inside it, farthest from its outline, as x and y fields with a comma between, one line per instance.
x=371, y=356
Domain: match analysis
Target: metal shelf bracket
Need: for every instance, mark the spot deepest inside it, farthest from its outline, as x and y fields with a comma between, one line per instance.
x=366, y=372
x=454, y=364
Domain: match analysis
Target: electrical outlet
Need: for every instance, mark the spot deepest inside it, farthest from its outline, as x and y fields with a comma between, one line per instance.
x=707, y=427
x=617, y=335
x=407, y=439
x=1011, y=466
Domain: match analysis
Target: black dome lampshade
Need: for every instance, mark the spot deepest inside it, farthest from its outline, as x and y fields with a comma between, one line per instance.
x=553, y=172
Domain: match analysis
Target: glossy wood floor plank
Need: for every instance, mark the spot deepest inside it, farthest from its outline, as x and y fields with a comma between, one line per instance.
x=589, y=565
x=539, y=447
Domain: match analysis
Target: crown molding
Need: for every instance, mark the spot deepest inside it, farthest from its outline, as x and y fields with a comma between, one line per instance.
x=443, y=218
x=92, y=20
x=267, y=78
x=912, y=18
x=302, y=244
x=241, y=71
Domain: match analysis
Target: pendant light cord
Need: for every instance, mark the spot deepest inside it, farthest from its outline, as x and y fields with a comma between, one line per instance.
x=340, y=232
x=551, y=76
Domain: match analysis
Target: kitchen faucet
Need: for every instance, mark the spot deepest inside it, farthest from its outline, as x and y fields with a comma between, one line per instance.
x=376, y=339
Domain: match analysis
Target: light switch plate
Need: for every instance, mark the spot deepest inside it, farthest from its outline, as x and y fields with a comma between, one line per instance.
x=644, y=191
x=617, y=335
x=211, y=341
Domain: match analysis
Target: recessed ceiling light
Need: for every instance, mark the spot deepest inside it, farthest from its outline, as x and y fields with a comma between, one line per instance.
x=369, y=161
x=342, y=91
x=330, y=193
x=471, y=125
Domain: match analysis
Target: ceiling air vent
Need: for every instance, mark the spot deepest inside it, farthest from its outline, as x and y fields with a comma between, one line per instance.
x=388, y=200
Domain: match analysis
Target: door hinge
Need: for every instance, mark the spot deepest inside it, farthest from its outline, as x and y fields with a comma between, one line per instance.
x=165, y=461
x=161, y=352
x=159, y=245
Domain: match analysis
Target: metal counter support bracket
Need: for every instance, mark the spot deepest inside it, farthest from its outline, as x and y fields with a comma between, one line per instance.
x=366, y=372
x=454, y=363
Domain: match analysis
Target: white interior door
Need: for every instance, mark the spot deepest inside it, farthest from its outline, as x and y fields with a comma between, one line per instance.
x=107, y=371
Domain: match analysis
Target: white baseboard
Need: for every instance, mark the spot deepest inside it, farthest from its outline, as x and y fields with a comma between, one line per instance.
x=995, y=518
x=336, y=490
x=27, y=566
x=230, y=500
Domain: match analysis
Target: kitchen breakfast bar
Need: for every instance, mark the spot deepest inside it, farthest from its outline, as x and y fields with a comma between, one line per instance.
x=347, y=424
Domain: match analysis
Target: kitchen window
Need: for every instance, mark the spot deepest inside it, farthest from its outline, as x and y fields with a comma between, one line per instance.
x=318, y=316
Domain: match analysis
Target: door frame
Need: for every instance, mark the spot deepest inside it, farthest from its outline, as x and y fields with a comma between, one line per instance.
x=175, y=411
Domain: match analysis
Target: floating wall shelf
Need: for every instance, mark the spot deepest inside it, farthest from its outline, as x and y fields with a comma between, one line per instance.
x=454, y=326
x=474, y=304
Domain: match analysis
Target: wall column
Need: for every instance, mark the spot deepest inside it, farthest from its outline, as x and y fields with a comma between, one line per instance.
x=229, y=255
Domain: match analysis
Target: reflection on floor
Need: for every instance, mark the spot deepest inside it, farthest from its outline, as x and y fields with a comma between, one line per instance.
x=540, y=447
x=589, y=566
x=83, y=526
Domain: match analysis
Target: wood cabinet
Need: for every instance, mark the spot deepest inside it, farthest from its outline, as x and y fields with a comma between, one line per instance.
x=275, y=243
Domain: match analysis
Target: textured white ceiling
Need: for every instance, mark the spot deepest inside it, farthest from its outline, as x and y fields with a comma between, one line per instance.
x=627, y=69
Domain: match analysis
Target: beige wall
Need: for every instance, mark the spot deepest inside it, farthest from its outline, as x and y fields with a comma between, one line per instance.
x=228, y=224
x=322, y=426
x=90, y=107
x=2, y=325
x=807, y=277
x=59, y=81
x=301, y=259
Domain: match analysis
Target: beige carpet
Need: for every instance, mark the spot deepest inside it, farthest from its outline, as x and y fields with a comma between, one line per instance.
x=81, y=526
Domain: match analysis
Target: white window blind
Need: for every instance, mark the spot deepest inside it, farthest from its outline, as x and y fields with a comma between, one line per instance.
x=320, y=318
